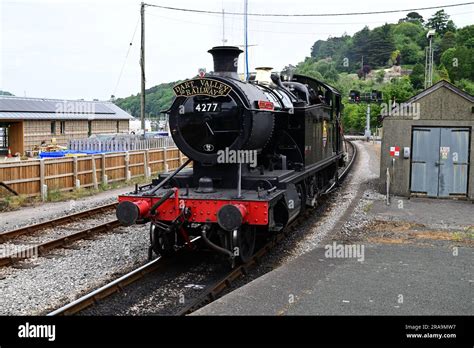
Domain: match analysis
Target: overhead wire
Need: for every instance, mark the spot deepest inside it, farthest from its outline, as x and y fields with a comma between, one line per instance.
x=310, y=14
x=126, y=57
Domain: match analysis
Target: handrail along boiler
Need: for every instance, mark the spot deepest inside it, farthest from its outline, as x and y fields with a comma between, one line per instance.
x=262, y=151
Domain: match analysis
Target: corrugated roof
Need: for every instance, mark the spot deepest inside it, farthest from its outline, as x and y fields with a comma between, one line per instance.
x=22, y=108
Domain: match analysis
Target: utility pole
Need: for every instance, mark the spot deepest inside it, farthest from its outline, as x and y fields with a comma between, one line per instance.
x=429, y=60
x=142, y=65
x=367, y=134
x=223, y=28
x=246, y=4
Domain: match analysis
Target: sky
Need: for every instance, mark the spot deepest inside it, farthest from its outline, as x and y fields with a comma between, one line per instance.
x=77, y=49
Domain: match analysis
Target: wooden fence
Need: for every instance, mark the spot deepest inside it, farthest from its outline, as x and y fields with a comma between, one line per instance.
x=35, y=177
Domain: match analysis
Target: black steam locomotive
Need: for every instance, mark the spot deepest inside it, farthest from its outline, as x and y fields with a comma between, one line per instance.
x=262, y=151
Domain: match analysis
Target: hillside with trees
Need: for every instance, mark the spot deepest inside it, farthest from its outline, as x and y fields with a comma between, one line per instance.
x=389, y=58
x=158, y=98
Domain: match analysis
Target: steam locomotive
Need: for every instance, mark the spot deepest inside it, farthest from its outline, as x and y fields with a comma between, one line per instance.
x=262, y=152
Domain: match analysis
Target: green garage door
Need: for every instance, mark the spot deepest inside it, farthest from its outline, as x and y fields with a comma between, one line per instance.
x=440, y=161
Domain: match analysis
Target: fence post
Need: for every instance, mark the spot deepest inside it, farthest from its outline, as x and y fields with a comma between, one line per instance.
x=104, y=176
x=94, y=173
x=128, y=175
x=180, y=155
x=75, y=170
x=388, y=187
x=146, y=156
x=43, y=191
x=165, y=160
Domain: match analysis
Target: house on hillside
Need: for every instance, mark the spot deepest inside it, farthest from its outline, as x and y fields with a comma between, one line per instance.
x=28, y=122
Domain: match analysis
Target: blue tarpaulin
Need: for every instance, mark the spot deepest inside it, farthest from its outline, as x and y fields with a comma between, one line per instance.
x=56, y=154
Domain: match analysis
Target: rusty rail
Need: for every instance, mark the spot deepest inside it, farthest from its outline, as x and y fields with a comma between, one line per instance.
x=43, y=248
x=5, y=236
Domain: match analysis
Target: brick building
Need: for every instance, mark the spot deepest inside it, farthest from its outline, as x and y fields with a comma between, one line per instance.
x=26, y=122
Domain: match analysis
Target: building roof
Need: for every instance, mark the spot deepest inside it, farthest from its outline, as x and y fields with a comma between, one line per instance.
x=22, y=108
x=438, y=85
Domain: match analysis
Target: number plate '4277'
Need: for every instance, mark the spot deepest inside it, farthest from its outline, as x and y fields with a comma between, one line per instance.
x=207, y=107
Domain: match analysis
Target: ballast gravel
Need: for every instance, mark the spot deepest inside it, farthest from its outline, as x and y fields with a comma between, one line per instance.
x=42, y=284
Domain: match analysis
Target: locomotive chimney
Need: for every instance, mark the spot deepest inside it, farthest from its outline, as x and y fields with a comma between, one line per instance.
x=225, y=60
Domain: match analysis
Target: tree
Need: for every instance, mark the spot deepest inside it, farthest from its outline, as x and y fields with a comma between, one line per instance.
x=441, y=74
x=354, y=116
x=395, y=58
x=450, y=26
x=364, y=71
x=417, y=76
x=324, y=69
x=380, y=76
x=441, y=23
x=400, y=90
x=159, y=98
x=466, y=85
x=459, y=63
x=361, y=45
x=307, y=68
x=414, y=17
x=448, y=41
x=381, y=46
x=333, y=47
x=5, y=93
x=465, y=36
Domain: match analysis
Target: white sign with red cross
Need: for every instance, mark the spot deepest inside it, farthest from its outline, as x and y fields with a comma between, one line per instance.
x=394, y=151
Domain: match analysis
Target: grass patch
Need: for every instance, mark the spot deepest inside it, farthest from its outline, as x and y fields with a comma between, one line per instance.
x=368, y=207
x=9, y=203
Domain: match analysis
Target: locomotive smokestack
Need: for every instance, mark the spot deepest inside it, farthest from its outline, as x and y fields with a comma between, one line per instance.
x=225, y=60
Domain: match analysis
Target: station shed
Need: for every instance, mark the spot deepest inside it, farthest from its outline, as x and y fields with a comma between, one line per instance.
x=428, y=144
x=29, y=122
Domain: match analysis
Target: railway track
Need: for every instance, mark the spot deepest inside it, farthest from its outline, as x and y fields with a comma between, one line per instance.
x=210, y=293
x=108, y=289
x=40, y=249
x=213, y=292
x=116, y=285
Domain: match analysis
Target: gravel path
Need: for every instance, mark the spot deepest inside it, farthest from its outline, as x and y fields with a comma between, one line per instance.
x=42, y=212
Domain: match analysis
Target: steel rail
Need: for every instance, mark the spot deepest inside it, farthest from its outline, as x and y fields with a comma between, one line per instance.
x=346, y=169
x=114, y=286
x=108, y=289
x=5, y=236
x=42, y=248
